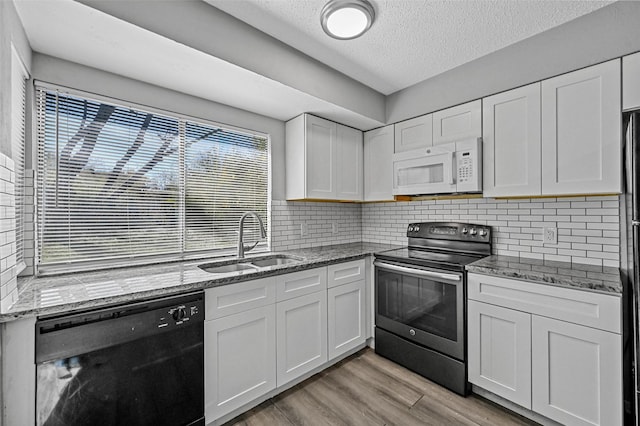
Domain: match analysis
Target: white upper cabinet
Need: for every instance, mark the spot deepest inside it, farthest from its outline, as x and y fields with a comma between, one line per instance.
x=581, y=146
x=349, y=160
x=378, y=165
x=414, y=133
x=512, y=145
x=457, y=123
x=631, y=82
x=323, y=160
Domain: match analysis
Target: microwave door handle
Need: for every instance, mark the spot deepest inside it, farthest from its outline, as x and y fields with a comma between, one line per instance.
x=449, y=170
x=420, y=272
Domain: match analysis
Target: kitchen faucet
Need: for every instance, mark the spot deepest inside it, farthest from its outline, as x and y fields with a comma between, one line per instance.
x=241, y=246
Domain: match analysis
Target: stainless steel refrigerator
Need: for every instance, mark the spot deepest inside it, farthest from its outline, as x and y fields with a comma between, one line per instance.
x=630, y=265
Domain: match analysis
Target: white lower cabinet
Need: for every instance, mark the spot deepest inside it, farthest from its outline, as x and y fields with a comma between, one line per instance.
x=240, y=359
x=577, y=376
x=346, y=317
x=263, y=334
x=536, y=351
x=500, y=351
x=301, y=335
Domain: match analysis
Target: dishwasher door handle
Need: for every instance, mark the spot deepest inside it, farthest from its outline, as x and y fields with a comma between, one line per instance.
x=419, y=272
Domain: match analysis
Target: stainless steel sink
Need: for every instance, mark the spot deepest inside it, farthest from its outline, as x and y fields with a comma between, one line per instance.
x=278, y=259
x=249, y=264
x=225, y=269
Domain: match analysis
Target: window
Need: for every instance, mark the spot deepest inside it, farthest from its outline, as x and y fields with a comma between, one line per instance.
x=119, y=184
x=19, y=79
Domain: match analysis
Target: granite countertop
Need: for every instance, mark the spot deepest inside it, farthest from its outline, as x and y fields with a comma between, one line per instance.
x=85, y=290
x=563, y=274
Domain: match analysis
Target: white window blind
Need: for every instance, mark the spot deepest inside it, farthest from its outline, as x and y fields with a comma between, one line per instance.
x=117, y=183
x=19, y=79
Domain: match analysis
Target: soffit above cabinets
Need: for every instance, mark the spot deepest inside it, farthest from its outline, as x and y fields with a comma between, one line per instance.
x=272, y=58
x=410, y=40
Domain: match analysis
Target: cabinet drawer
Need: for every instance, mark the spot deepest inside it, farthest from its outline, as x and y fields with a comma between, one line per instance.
x=299, y=283
x=595, y=310
x=234, y=298
x=344, y=273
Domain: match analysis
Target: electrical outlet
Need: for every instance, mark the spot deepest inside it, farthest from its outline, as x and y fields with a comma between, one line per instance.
x=334, y=228
x=304, y=229
x=549, y=235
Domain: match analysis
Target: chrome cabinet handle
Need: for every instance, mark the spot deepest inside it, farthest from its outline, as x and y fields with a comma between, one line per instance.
x=420, y=272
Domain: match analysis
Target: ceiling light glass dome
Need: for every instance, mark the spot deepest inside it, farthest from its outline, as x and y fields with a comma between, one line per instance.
x=347, y=19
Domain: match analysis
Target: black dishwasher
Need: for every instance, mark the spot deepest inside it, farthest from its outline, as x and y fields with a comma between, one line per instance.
x=136, y=364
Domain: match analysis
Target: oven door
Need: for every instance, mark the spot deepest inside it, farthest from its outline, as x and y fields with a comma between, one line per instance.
x=423, y=305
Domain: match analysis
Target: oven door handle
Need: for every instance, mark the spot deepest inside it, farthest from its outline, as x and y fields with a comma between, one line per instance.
x=420, y=272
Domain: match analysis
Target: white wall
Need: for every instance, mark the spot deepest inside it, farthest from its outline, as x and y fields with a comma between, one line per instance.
x=11, y=31
x=607, y=33
x=68, y=74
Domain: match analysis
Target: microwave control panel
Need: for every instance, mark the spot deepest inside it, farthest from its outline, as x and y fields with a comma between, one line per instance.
x=469, y=165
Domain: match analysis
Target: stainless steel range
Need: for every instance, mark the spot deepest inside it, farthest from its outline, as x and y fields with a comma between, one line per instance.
x=421, y=299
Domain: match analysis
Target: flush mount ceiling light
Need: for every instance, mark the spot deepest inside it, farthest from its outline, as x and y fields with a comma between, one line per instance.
x=347, y=19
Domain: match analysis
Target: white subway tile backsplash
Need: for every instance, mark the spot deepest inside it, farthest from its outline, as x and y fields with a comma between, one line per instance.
x=8, y=287
x=517, y=224
x=287, y=217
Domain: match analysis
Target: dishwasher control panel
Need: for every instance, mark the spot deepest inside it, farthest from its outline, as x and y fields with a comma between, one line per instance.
x=181, y=314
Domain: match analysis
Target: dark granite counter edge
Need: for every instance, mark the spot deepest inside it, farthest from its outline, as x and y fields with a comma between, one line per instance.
x=592, y=281
x=101, y=302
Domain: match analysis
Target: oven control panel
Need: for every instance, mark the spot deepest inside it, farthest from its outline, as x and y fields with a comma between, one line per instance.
x=450, y=231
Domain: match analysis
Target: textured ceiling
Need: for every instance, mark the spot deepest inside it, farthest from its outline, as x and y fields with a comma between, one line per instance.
x=411, y=40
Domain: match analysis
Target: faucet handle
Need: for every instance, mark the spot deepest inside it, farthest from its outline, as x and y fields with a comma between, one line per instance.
x=251, y=247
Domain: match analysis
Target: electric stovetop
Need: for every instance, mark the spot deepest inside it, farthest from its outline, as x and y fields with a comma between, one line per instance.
x=429, y=258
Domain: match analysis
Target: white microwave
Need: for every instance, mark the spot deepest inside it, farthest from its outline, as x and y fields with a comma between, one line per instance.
x=447, y=168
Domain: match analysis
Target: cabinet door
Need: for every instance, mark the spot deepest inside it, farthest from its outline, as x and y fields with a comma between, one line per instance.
x=240, y=360
x=631, y=82
x=413, y=134
x=378, y=166
x=320, y=158
x=348, y=162
x=500, y=351
x=301, y=335
x=346, y=320
x=512, y=146
x=577, y=373
x=457, y=123
x=581, y=152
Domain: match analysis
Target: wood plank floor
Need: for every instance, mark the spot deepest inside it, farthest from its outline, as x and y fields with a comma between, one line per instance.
x=366, y=389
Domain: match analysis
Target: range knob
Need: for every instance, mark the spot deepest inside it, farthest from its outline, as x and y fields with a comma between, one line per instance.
x=464, y=231
x=483, y=232
x=179, y=313
x=473, y=231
